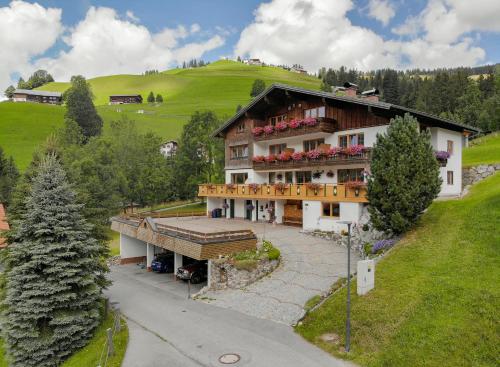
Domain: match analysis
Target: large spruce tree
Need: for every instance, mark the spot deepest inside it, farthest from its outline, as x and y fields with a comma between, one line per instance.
x=80, y=107
x=53, y=291
x=404, y=176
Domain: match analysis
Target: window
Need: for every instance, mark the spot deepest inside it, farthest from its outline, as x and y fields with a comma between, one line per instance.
x=346, y=175
x=303, y=176
x=275, y=119
x=315, y=112
x=331, y=210
x=241, y=127
x=239, y=178
x=312, y=144
x=351, y=139
x=289, y=177
x=277, y=148
x=239, y=152
x=272, y=177
x=449, y=147
x=449, y=177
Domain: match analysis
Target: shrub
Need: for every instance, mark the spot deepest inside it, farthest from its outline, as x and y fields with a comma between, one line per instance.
x=247, y=265
x=273, y=254
x=404, y=176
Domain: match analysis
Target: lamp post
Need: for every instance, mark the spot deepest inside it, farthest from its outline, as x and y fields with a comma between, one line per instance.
x=348, y=318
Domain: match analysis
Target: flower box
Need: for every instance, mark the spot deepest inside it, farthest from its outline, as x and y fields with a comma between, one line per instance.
x=313, y=186
x=268, y=129
x=314, y=154
x=298, y=156
x=271, y=158
x=442, y=157
x=254, y=187
x=259, y=159
x=281, y=126
x=294, y=124
x=257, y=131
x=284, y=156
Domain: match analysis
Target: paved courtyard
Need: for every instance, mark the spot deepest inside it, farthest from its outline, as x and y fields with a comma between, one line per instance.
x=309, y=266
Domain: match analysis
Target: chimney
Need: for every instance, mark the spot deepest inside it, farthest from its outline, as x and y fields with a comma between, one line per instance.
x=351, y=89
x=371, y=94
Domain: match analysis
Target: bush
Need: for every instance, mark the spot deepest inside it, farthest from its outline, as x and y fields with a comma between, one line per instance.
x=274, y=254
x=247, y=265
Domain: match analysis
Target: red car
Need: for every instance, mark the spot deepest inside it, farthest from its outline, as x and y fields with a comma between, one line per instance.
x=196, y=272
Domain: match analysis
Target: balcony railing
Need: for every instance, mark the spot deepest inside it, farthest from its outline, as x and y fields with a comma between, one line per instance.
x=324, y=125
x=319, y=192
x=338, y=159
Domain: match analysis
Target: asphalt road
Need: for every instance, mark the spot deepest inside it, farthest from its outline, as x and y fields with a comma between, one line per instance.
x=167, y=329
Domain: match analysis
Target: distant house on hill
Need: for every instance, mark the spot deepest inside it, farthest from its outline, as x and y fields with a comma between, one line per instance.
x=253, y=62
x=125, y=98
x=38, y=96
x=298, y=69
x=4, y=226
x=169, y=148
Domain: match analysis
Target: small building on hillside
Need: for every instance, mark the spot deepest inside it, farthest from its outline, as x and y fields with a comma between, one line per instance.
x=38, y=96
x=4, y=226
x=253, y=62
x=169, y=148
x=298, y=69
x=125, y=98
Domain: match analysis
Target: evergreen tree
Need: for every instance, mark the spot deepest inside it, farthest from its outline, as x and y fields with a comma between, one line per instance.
x=21, y=84
x=258, y=87
x=469, y=104
x=151, y=97
x=159, y=98
x=325, y=87
x=390, y=87
x=404, y=176
x=9, y=92
x=52, y=291
x=8, y=177
x=80, y=107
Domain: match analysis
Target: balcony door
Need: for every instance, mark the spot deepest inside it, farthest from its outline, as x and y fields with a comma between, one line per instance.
x=231, y=208
x=248, y=211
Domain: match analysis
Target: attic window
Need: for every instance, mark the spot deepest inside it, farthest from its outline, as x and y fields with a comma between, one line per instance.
x=241, y=127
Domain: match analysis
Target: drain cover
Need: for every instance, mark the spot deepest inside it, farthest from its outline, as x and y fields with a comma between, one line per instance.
x=229, y=358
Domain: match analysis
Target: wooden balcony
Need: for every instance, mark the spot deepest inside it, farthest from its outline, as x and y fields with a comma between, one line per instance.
x=325, y=125
x=340, y=159
x=325, y=192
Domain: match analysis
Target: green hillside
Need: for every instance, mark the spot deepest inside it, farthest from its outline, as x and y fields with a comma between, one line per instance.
x=220, y=86
x=484, y=150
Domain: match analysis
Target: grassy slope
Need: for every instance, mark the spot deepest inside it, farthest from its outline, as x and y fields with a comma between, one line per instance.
x=220, y=86
x=483, y=151
x=436, y=297
x=24, y=125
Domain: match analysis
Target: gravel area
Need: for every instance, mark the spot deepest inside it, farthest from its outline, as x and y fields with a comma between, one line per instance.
x=309, y=266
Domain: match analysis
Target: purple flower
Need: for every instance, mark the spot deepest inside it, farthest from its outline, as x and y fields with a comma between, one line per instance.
x=382, y=245
x=442, y=155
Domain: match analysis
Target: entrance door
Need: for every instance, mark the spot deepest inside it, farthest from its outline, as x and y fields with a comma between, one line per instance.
x=248, y=211
x=231, y=208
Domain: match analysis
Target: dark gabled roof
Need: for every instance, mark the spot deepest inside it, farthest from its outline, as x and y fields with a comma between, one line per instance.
x=43, y=93
x=125, y=95
x=353, y=100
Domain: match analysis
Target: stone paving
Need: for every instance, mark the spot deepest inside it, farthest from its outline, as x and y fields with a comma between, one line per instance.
x=309, y=266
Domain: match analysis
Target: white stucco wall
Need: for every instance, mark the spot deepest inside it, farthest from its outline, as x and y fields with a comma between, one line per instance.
x=131, y=247
x=313, y=219
x=440, y=139
x=370, y=135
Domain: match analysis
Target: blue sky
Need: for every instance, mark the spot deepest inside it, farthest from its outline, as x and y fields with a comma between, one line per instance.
x=86, y=36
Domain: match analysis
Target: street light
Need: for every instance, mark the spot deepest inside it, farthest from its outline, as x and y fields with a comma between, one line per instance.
x=348, y=318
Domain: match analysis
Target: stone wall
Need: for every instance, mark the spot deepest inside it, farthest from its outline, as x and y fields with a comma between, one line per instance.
x=471, y=175
x=224, y=274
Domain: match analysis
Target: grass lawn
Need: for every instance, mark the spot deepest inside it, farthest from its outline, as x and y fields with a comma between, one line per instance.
x=482, y=151
x=114, y=243
x=436, y=298
x=89, y=356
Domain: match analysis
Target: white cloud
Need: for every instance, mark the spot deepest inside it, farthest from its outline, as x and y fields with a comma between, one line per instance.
x=318, y=33
x=130, y=15
x=382, y=10
x=195, y=28
x=104, y=44
x=26, y=30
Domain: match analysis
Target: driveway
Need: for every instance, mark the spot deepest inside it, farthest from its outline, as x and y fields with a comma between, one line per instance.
x=167, y=329
x=309, y=266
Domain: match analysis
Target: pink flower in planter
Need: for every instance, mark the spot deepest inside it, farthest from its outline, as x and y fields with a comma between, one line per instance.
x=257, y=131
x=268, y=129
x=270, y=158
x=281, y=126
x=298, y=156
x=258, y=158
x=294, y=124
x=333, y=152
x=310, y=121
x=354, y=149
x=314, y=154
x=284, y=157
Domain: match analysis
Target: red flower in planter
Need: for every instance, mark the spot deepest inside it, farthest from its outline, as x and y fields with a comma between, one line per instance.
x=257, y=131
x=258, y=159
x=314, y=154
x=310, y=121
x=354, y=150
x=294, y=124
x=355, y=184
x=270, y=158
x=333, y=152
x=230, y=186
x=254, y=187
x=298, y=156
x=268, y=129
x=281, y=126
x=284, y=156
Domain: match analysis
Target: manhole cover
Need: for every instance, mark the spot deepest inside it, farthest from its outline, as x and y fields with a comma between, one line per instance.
x=229, y=358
